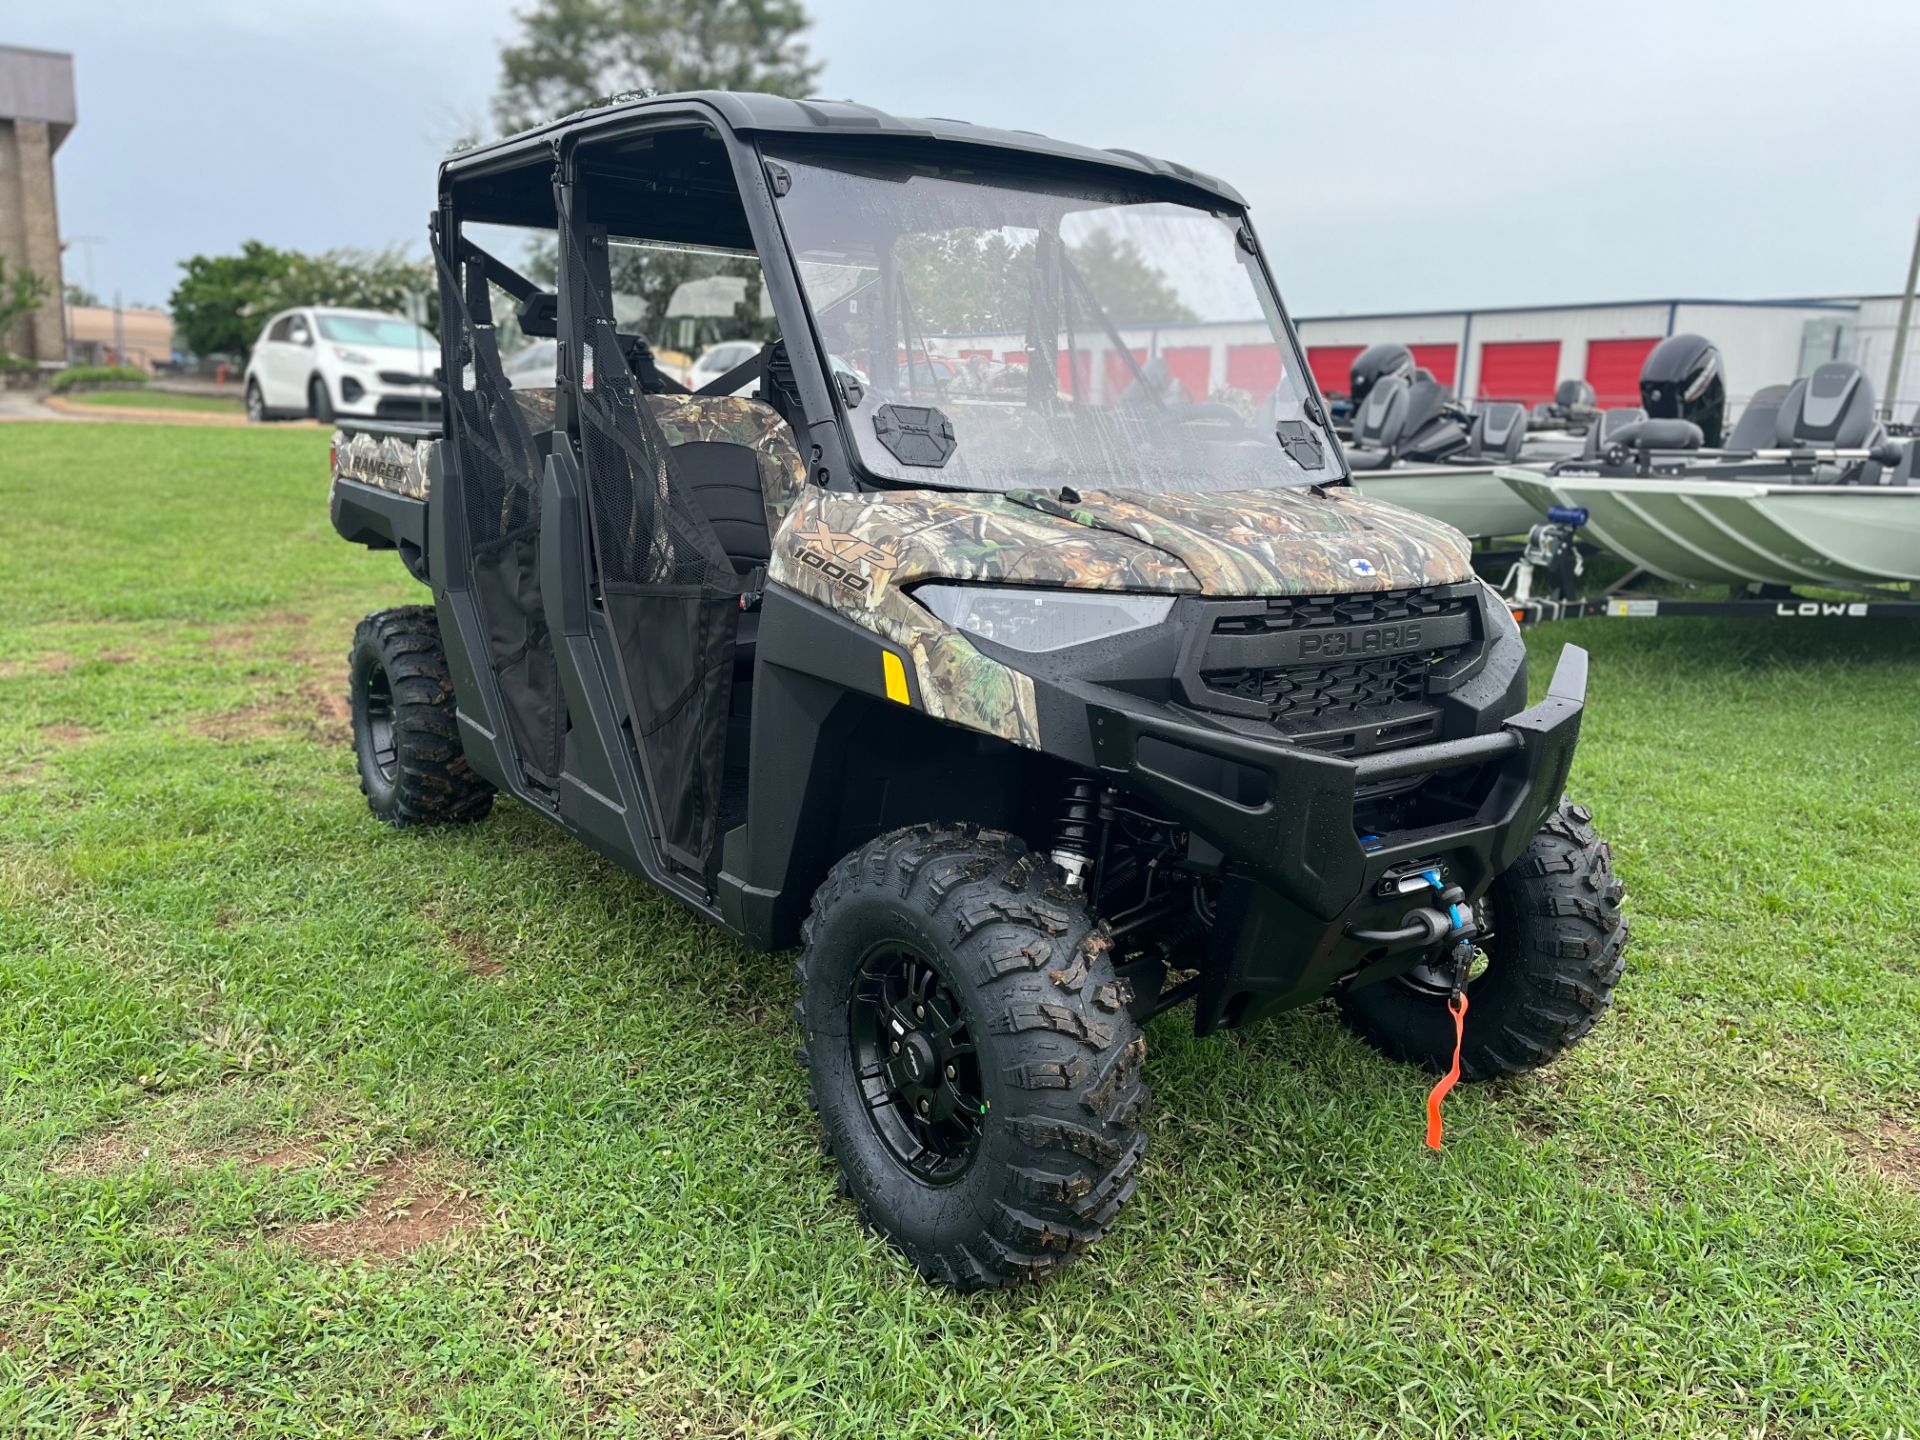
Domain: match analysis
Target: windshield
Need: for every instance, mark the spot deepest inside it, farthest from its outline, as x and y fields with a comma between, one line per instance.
x=375, y=330
x=1067, y=335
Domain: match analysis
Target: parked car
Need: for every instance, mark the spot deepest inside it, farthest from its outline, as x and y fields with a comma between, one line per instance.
x=716, y=360
x=323, y=363
x=532, y=366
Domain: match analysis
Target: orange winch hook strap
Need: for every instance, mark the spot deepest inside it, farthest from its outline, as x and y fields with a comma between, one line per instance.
x=1457, y=1007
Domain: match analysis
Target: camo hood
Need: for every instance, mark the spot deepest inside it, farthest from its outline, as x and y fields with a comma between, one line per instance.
x=857, y=554
x=1294, y=541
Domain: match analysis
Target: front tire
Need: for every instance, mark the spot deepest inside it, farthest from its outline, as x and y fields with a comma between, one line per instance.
x=944, y=971
x=319, y=403
x=256, y=404
x=405, y=734
x=1556, y=948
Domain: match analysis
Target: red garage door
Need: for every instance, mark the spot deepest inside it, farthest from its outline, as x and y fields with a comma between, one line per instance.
x=1190, y=365
x=1613, y=368
x=1332, y=366
x=1442, y=360
x=1254, y=369
x=1523, y=370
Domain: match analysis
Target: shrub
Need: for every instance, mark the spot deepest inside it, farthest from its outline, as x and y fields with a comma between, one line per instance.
x=89, y=375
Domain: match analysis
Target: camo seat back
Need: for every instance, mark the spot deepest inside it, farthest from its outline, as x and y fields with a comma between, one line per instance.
x=735, y=420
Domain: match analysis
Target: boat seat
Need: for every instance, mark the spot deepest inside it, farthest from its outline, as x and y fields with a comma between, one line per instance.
x=1499, y=430
x=1831, y=408
x=1601, y=434
x=1382, y=416
x=1760, y=420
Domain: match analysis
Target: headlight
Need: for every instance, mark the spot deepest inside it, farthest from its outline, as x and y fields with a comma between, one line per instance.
x=350, y=357
x=1038, y=620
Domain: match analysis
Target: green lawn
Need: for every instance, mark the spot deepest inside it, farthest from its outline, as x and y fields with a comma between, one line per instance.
x=147, y=399
x=308, y=1127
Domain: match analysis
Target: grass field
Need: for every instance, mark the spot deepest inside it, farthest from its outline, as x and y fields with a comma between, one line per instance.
x=146, y=399
x=311, y=1128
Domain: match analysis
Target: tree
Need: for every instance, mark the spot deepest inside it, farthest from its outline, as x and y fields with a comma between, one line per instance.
x=1129, y=288
x=221, y=302
x=80, y=295
x=572, y=53
x=22, y=292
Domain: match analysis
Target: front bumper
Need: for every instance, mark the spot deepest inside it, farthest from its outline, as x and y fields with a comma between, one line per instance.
x=1299, y=872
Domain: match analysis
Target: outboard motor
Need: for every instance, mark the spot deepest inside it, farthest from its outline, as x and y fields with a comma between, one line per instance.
x=1374, y=364
x=1574, y=397
x=1683, y=380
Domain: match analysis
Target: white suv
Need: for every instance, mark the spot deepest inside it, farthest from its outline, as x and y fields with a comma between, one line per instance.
x=325, y=362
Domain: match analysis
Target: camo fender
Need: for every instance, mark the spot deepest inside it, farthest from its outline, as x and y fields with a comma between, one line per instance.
x=855, y=554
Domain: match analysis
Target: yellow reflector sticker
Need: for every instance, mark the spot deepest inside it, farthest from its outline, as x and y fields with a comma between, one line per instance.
x=896, y=675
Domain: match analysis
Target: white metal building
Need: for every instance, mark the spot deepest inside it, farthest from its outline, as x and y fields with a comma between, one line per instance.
x=1521, y=353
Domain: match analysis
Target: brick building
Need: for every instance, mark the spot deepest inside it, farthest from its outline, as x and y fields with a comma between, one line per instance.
x=36, y=114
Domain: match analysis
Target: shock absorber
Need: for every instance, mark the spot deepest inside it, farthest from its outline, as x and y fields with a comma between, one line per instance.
x=1080, y=837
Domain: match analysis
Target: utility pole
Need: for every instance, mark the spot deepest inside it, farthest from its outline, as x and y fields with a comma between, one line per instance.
x=1900, y=331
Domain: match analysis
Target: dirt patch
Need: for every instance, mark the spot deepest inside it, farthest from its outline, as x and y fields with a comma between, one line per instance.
x=475, y=956
x=103, y=1154
x=330, y=716
x=249, y=722
x=405, y=1211
x=58, y=663
x=1894, y=1150
x=22, y=775
x=66, y=734
x=118, y=657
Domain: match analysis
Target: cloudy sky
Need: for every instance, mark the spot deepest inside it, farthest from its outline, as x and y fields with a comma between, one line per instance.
x=1398, y=155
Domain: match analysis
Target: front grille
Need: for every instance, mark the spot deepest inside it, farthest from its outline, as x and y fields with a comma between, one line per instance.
x=403, y=377
x=1349, y=674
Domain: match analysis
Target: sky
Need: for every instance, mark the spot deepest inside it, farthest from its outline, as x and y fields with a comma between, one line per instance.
x=1397, y=155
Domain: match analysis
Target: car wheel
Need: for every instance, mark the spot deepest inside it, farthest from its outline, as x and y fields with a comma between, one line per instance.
x=256, y=404
x=319, y=403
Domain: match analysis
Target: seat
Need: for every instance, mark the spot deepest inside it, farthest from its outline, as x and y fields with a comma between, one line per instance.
x=1757, y=423
x=738, y=461
x=1499, y=430
x=1603, y=432
x=1378, y=425
x=1832, y=408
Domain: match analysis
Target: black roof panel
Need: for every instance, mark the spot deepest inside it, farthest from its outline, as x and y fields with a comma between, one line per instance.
x=828, y=119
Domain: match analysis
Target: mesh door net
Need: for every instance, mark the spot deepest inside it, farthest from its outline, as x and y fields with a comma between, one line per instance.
x=670, y=591
x=498, y=473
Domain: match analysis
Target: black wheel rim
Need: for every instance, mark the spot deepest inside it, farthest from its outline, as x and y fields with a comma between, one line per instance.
x=376, y=721
x=916, y=1064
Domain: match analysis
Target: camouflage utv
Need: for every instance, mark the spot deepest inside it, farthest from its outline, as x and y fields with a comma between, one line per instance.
x=1007, y=634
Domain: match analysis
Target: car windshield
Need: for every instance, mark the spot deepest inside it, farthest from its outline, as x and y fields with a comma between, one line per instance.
x=374, y=330
x=1065, y=334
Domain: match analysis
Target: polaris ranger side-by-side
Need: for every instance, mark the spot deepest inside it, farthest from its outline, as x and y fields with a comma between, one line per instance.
x=1032, y=667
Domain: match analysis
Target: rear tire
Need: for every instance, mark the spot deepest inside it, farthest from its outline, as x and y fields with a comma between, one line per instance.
x=405, y=735
x=1020, y=1010
x=1555, y=953
x=319, y=403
